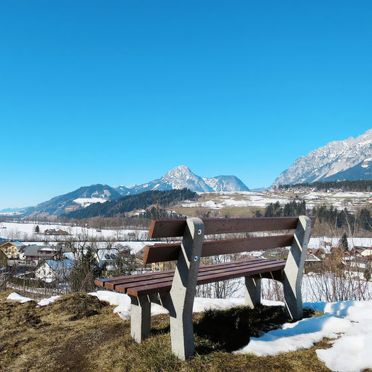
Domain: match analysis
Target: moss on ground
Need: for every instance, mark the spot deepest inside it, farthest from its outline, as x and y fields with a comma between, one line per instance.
x=79, y=333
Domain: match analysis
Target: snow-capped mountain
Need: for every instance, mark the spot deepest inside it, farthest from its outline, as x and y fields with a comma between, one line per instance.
x=225, y=183
x=350, y=159
x=182, y=177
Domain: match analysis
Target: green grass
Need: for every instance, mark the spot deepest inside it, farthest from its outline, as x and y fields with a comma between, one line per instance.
x=79, y=333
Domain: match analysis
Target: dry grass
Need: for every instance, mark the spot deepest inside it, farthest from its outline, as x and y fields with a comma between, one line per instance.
x=79, y=333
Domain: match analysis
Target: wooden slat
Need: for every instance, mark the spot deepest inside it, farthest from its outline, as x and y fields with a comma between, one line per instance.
x=171, y=251
x=220, y=271
x=206, y=270
x=139, y=278
x=274, y=266
x=102, y=282
x=165, y=287
x=166, y=228
x=111, y=283
x=240, y=225
x=174, y=228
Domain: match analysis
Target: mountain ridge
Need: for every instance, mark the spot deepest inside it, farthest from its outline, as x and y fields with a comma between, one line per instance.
x=349, y=159
x=181, y=177
x=177, y=178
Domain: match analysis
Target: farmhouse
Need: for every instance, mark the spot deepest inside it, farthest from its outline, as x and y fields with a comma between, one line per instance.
x=52, y=270
x=11, y=249
x=34, y=254
x=55, y=232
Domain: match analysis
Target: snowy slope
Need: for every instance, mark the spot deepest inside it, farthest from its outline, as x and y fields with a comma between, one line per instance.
x=76, y=199
x=350, y=159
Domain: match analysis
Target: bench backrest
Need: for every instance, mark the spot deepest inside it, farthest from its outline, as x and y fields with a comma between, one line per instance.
x=216, y=226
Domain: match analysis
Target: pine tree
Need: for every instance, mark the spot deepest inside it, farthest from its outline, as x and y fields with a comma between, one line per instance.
x=343, y=244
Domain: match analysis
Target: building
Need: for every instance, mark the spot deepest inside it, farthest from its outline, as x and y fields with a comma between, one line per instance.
x=54, y=270
x=106, y=258
x=12, y=249
x=55, y=232
x=34, y=254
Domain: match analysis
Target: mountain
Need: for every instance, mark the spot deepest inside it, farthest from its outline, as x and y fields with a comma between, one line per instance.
x=80, y=198
x=350, y=159
x=182, y=177
x=226, y=183
x=133, y=202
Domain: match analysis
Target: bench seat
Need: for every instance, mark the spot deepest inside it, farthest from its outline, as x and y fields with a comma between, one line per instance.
x=161, y=281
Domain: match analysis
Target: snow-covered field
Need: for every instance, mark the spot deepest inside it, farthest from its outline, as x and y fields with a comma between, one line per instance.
x=23, y=231
x=327, y=242
x=262, y=198
x=235, y=199
x=348, y=324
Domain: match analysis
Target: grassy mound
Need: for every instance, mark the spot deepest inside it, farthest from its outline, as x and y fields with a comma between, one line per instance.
x=79, y=333
x=77, y=306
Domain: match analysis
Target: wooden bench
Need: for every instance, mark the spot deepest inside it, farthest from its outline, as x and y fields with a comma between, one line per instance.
x=175, y=289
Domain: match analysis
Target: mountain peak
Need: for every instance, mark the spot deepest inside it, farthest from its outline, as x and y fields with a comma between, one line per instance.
x=179, y=170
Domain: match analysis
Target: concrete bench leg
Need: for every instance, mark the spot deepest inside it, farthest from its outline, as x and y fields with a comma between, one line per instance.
x=140, y=318
x=294, y=268
x=182, y=334
x=184, y=288
x=252, y=291
x=293, y=299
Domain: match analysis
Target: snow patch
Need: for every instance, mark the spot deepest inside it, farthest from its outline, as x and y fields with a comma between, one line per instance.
x=22, y=299
x=349, y=322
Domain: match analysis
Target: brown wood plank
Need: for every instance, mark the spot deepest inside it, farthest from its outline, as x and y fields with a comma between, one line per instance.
x=171, y=251
x=175, y=228
x=242, y=272
x=110, y=283
x=230, y=246
x=241, y=225
x=218, y=269
x=166, y=228
x=165, y=287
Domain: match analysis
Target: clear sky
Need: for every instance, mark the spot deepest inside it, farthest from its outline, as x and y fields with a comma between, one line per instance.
x=118, y=92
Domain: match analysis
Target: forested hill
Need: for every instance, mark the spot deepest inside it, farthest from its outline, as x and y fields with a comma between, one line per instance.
x=133, y=202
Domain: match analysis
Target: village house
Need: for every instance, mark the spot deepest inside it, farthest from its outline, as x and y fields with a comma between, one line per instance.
x=54, y=270
x=55, y=232
x=11, y=249
x=33, y=254
x=106, y=258
x=313, y=263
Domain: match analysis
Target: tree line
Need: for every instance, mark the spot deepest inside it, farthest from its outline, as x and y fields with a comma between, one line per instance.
x=329, y=215
x=361, y=185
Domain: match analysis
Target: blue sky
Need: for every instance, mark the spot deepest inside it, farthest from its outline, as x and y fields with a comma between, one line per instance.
x=118, y=92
